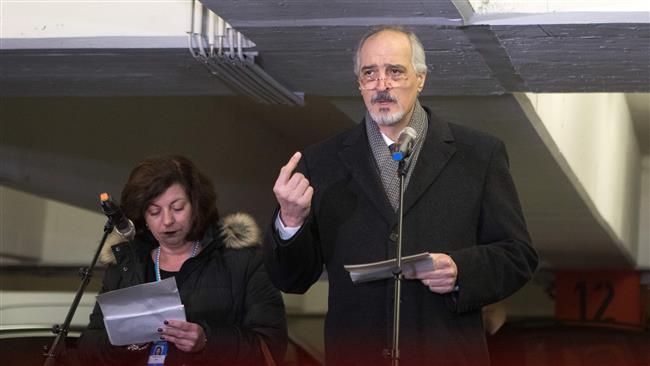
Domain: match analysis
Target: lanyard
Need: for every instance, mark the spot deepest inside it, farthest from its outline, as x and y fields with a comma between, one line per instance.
x=158, y=351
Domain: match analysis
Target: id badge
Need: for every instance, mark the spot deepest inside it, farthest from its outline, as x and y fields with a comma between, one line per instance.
x=157, y=353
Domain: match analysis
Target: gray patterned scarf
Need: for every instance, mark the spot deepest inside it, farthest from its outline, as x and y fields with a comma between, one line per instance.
x=385, y=164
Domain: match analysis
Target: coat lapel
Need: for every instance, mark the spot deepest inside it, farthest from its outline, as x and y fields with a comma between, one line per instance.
x=436, y=152
x=357, y=158
x=208, y=244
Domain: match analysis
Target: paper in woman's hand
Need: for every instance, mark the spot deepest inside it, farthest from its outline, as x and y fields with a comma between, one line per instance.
x=385, y=269
x=133, y=315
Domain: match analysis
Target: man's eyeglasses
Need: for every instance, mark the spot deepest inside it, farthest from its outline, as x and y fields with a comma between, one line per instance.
x=370, y=78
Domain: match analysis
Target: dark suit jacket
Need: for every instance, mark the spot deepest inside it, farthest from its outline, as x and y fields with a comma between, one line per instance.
x=460, y=200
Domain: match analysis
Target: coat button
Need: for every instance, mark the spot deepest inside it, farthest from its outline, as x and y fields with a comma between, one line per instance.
x=125, y=268
x=393, y=237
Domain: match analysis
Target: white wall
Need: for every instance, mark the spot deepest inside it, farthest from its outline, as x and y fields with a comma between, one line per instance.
x=73, y=234
x=21, y=226
x=557, y=6
x=38, y=308
x=47, y=231
x=593, y=134
x=55, y=18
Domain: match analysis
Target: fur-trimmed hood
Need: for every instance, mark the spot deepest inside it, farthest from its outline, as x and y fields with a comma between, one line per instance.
x=238, y=230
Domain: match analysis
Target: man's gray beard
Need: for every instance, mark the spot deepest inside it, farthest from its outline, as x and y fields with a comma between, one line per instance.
x=387, y=119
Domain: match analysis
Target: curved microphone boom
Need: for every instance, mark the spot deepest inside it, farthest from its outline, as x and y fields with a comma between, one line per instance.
x=123, y=226
x=403, y=147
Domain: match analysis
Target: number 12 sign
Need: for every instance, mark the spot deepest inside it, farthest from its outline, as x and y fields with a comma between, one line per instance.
x=599, y=297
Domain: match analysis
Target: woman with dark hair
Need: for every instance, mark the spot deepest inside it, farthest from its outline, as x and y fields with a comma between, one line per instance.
x=233, y=311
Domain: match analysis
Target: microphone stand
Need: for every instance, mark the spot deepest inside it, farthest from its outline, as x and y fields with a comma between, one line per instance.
x=398, y=276
x=51, y=354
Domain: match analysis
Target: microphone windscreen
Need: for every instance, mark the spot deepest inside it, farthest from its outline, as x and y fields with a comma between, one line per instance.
x=128, y=233
x=122, y=225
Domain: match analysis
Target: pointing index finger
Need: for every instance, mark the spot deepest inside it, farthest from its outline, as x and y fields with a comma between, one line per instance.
x=287, y=170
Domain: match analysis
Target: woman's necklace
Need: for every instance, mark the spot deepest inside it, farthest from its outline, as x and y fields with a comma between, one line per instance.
x=195, y=248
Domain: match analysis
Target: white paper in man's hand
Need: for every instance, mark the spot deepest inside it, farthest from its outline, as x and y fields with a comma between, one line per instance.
x=382, y=270
x=133, y=315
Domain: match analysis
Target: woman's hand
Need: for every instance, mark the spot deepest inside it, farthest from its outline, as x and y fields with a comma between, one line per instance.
x=187, y=337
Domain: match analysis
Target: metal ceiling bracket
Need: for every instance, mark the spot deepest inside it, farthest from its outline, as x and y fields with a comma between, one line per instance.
x=229, y=55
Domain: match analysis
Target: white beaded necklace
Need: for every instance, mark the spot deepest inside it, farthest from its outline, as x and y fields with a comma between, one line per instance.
x=195, y=248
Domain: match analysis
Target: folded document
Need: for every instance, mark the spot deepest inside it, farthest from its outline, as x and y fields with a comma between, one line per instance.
x=133, y=315
x=385, y=269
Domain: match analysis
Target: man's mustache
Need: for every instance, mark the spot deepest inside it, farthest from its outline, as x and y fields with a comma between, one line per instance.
x=383, y=96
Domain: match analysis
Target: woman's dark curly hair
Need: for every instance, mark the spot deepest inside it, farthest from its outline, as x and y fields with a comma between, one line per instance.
x=151, y=178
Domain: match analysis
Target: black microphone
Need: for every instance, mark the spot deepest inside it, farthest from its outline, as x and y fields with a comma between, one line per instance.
x=123, y=226
x=402, y=148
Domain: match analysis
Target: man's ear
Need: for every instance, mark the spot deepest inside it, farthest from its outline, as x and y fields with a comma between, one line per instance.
x=421, y=78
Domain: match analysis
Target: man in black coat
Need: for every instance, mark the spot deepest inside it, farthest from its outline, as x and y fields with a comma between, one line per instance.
x=461, y=207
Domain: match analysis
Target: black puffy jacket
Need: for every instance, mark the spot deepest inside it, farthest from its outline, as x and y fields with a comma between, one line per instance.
x=225, y=289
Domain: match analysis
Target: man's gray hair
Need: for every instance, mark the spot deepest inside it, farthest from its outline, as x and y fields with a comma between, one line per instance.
x=417, y=50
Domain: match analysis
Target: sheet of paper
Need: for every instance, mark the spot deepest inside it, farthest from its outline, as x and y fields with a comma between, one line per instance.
x=133, y=315
x=384, y=269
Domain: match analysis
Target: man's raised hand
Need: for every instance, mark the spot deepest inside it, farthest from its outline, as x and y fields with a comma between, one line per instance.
x=293, y=193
